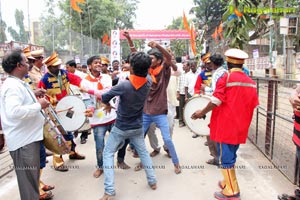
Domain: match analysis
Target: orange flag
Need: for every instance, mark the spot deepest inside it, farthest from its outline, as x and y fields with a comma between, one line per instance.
x=108, y=42
x=215, y=35
x=75, y=6
x=220, y=31
x=104, y=38
x=186, y=23
x=237, y=13
x=193, y=41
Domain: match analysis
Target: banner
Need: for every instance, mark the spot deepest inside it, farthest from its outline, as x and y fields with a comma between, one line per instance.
x=156, y=34
x=115, y=46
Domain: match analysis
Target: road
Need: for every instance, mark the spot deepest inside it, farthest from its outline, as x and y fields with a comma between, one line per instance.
x=258, y=178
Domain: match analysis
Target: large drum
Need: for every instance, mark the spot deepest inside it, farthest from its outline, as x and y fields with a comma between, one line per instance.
x=70, y=112
x=53, y=133
x=54, y=140
x=198, y=126
x=86, y=127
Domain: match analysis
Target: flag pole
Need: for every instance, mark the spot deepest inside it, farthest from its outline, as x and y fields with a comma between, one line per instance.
x=29, y=31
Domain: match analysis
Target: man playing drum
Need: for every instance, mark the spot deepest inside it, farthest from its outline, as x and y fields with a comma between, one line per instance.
x=57, y=84
x=232, y=106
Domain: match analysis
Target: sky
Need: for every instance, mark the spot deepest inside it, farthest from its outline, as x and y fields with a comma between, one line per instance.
x=151, y=14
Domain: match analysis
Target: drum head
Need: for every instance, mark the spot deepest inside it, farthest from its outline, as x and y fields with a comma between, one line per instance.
x=198, y=126
x=70, y=112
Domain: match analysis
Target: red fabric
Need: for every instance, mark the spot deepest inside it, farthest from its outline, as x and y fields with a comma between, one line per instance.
x=296, y=138
x=231, y=120
x=297, y=126
x=197, y=87
x=74, y=79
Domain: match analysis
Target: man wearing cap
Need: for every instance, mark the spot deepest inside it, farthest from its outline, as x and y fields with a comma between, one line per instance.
x=104, y=65
x=57, y=83
x=232, y=105
x=204, y=78
x=37, y=70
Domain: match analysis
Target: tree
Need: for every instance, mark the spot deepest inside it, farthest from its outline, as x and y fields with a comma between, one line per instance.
x=99, y=16
x=238, y=27
x=208, y=13
x=178, y=46
x=53, y=31
x=21, y=35
x=2, y=31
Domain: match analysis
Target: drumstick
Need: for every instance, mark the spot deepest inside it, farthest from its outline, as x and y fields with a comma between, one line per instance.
x=58, y=111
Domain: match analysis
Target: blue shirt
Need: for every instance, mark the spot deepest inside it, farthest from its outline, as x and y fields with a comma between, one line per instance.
x=131, y=104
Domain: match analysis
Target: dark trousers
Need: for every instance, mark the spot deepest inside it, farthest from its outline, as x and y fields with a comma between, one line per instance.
x=212, y=146
x=69, y=137
x=181, y=106
x=84, y=135
x=27, y=167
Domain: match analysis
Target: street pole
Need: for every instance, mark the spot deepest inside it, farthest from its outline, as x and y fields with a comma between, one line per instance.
x=271, y=38
x=70, y=33
x=29, y=31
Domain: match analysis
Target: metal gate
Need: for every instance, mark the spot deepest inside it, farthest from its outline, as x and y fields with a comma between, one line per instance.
x=271, y=128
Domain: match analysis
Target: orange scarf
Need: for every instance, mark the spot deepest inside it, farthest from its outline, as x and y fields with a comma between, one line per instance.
x=137, y=81
x=154, y=72
x=91, y=79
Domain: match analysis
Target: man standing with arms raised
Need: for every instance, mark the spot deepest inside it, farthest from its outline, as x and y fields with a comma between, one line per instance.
x=156, y=106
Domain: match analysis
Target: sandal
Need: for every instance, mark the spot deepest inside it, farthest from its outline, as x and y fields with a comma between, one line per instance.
x=48, y=187
x=212, y=162
x=138, y=167
x=46, y=196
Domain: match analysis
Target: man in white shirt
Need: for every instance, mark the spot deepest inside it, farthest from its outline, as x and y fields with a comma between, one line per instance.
x=22, y=123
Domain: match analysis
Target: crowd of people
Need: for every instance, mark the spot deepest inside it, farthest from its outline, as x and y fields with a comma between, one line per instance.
x=133, y=100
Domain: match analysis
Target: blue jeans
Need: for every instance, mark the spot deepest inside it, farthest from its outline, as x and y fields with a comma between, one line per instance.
x=162, y=123
x=99, y=134
x=114, y=142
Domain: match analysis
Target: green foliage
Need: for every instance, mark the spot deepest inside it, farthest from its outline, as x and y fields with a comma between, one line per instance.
x=3, y=37
x=54, y=32
x=99, y=16
x=176, y=24
x=237, y=28
x=208, y=13
x=21, y=35
x=178, y=46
